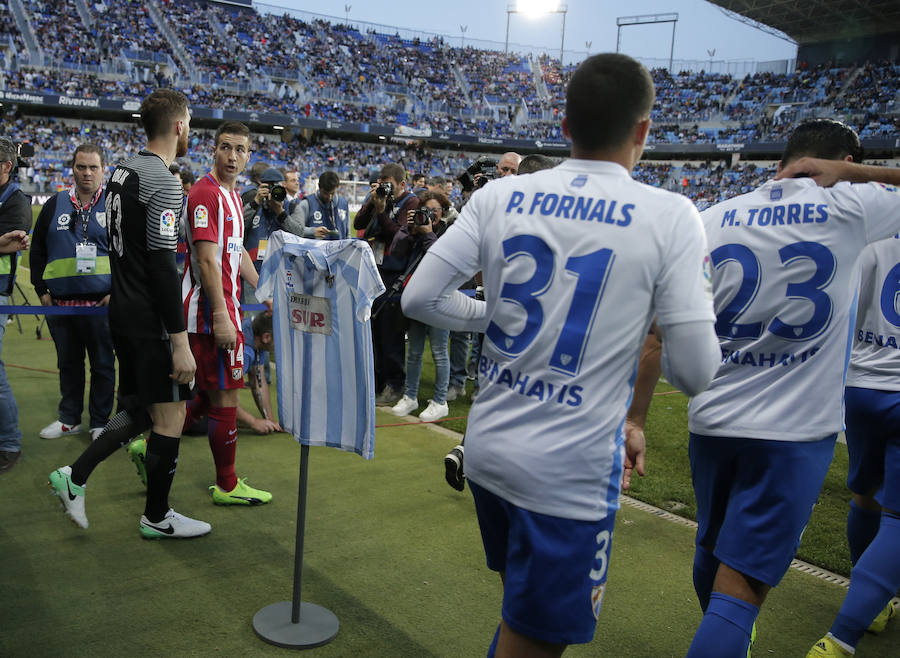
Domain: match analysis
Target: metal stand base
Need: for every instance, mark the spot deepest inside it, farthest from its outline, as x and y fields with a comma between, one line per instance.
x=317, y=625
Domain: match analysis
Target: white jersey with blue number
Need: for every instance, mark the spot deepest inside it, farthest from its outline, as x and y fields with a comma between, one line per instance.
x=322, y=294
x=875, y=360
x=576, y=262
x=785, y=279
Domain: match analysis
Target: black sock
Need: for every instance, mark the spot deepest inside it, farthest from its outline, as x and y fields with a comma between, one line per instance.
x=120, y=429
x=161, y=460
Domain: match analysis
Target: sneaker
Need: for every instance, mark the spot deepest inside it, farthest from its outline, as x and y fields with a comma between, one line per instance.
x=56, y=429
x=454, y=392
x=827, y=648
x=453, y=468
x=173, y=526
x=405, y=406
x=96, y=432
x=434, y=411
x=242, y=494
x=137, y=450
x=388, y=397
x=879, y=623
x=71, y=495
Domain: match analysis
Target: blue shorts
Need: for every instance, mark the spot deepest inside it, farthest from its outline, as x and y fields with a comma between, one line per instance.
x=754, y=499
x=873, y=442
x=555, y=569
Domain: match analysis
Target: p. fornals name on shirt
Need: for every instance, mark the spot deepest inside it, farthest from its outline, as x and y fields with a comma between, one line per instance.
x=528, y=386
x=777, y=215
x=765, y=359
x=589, y=209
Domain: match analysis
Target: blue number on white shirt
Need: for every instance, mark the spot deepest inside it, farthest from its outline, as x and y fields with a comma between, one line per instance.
x=591, y=271
x=726, y=325
x=890, y=292
x=812, y=289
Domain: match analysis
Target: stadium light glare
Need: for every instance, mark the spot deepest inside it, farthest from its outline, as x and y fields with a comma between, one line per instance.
x=135, y=115
x=535, y=8
x=277, y=127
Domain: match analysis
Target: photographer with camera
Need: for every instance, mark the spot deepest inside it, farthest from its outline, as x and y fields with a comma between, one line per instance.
x=322, y=216
x=15, y=215
x=424, y=226
x=267, y=214
x=383, y=214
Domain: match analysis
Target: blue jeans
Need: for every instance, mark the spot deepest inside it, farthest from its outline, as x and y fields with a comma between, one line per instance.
x=459, y=353
x=10, y=434
x=438, y=339
x=74, y=335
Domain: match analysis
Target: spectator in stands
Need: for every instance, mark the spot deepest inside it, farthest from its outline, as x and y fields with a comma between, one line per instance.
x=418, y=183
x=324, y=215
x=508, y=164
x=15, y=221
x=292, y=185
x=424, y=226
x=383, y=214
x=70, y=268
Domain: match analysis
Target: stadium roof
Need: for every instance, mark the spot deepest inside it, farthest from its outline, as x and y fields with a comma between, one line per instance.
x=813, y=21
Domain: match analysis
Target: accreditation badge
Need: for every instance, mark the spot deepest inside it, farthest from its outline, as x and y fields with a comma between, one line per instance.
x=85, y=258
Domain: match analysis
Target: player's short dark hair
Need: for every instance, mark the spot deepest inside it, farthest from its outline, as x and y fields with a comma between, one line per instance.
x=535, y=162
x=87, y=147
x=187, y=176
x=394, y=171
x=822, y=138
x=232, y=128
x=160, y=109
x=607, y=96
x=329, y=181
x=262, y=323
x=174, y=168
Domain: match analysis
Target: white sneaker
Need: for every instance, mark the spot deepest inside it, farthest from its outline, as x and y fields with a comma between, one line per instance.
x=434, y=411
x=174, y=526
x=71, y=495
x=96, y=432
x=56, y=430
x=405, y=406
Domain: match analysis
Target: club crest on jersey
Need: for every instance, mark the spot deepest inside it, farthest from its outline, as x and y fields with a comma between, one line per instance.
x=63, y=222
x=201, y=217
x=167, y=222
x=236, y=373
x=597, y=599
x=101, y=219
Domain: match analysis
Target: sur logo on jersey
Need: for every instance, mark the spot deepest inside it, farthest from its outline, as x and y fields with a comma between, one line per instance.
x=201, y=217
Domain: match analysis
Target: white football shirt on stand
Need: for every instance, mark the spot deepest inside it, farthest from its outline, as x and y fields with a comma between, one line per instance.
x=322, y=293
x=785, y=279
x=875, y=360
x=576, y=261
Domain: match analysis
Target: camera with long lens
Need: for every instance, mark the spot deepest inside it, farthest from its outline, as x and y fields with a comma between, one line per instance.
x=385, y=190
x=278, y=193
x=424, y=216
x=478, y=174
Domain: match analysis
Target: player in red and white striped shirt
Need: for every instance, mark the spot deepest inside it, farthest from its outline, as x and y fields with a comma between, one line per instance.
x=211, y=289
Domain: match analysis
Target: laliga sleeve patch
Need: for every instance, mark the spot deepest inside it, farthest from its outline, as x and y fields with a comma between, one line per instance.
x=167, y=222
x=201, y=217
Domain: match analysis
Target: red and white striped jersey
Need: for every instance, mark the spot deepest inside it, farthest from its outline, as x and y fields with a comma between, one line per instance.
x=216, y=215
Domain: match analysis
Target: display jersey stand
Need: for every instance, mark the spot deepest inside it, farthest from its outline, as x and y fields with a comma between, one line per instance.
x=295, y=624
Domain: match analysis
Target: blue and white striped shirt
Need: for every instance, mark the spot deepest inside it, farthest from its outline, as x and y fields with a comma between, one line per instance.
x=322, y=293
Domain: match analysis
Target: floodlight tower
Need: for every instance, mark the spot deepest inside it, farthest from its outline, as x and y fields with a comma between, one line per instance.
x=536, y=8
x=625, y=21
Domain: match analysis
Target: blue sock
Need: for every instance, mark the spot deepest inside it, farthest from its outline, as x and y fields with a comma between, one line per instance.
x=862, y=526
x=873, y=582
x=705, y=567
x=493, y=648
x=725, y=629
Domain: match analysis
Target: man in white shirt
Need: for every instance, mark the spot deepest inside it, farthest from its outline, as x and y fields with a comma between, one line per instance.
x=576, y=261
